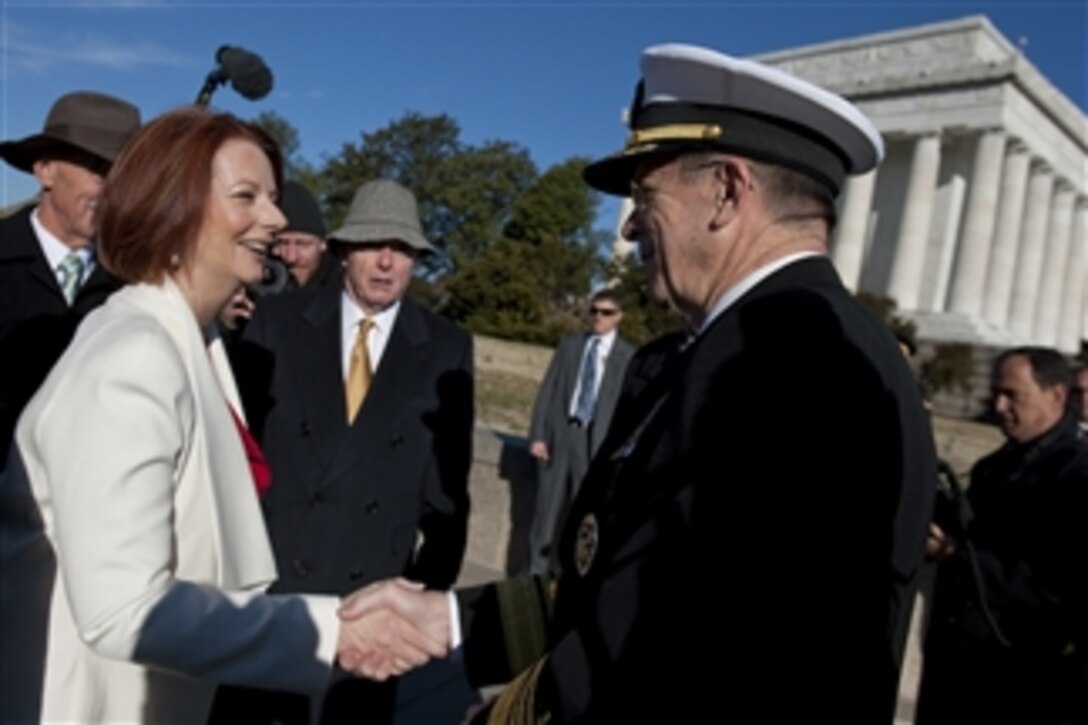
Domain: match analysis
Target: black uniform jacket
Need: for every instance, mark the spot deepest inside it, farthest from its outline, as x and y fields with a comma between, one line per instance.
x=751, y=544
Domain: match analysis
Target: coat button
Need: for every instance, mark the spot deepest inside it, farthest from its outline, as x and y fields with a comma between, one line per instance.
x=315, y=500
x=300, y=567
x=372, y=507
x=396, y=441
x=356, y=574
x=304, y=429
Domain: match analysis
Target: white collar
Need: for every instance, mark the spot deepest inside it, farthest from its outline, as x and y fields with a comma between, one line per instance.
x=351, y=314
x=54, y=249
x=753, y=278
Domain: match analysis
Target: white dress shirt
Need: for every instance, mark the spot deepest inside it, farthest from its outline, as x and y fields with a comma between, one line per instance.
x=55, y=250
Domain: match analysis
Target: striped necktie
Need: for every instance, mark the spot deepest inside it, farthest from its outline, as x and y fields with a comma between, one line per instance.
x=70, y=275
x=587, y=392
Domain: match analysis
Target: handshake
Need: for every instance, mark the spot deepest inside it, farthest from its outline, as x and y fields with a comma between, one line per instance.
x=392, y=627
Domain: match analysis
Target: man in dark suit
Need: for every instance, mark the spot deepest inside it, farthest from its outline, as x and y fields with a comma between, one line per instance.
x=571, y=416
x=713, y=562
x=48, y=275
x=363, y=404
x=1008, y=638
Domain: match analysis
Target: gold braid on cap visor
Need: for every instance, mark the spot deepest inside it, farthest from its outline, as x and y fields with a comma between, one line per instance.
x=641, y=138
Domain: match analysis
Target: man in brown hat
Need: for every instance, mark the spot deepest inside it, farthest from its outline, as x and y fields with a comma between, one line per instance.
x=48, y=276
x=362, y=401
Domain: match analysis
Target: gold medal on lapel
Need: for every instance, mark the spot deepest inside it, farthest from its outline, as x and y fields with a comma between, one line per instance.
x=585, y=545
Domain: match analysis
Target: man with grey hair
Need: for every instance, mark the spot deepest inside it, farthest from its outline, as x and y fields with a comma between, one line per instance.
x=704, y=535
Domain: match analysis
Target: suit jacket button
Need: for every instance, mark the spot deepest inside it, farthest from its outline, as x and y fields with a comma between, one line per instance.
x=304, y=429
x=300, y=567
x=372, y=507
x=356, y=574
x=315, y=500
x=396, y=441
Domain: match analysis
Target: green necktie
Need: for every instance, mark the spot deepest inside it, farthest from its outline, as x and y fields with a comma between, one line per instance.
x=69, y=275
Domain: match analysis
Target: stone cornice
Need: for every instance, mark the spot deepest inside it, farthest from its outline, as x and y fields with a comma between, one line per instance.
x=964, y=53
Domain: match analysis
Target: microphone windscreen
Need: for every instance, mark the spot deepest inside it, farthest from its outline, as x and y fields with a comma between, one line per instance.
x=247, y=72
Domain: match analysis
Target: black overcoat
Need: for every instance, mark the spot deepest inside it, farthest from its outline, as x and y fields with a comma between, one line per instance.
x=36, y=323
x=347, y=503
x=1008, y=637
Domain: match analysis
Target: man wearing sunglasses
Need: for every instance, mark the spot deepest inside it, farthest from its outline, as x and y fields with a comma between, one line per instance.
x=571, y=416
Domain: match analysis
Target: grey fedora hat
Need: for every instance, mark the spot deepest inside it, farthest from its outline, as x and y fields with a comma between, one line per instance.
x=383, y=210
x=93, y=123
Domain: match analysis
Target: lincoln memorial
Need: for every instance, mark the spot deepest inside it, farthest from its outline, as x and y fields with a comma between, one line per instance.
x=975, y=224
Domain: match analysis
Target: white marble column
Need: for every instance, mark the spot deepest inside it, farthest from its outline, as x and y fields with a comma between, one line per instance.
x=853, y=227
x=1055, y=259
x=1072, y=318
x=941, y=249
x=1029, y=262
x=911, y=241
x=1010, y=213
x=973, y=255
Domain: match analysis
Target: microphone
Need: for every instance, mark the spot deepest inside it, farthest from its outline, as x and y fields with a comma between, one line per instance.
x=246, y=72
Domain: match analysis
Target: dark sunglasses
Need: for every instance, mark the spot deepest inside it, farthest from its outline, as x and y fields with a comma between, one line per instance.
x=603, y=311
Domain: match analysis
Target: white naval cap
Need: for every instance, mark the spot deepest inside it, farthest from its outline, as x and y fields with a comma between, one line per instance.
x=693, y=98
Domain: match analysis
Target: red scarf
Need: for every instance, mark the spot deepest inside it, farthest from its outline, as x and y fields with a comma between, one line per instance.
x=262, y=474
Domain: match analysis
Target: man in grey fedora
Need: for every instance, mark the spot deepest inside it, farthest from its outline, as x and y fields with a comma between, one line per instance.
x=363, y=404
x=48, y=276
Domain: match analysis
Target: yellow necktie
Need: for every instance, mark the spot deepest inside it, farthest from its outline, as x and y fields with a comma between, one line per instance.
x=358, y=371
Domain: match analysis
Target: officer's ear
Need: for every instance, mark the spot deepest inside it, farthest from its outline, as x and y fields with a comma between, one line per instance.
x=733, y=184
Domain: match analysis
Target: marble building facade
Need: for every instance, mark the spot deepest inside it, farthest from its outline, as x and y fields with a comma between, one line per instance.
x=975, y=223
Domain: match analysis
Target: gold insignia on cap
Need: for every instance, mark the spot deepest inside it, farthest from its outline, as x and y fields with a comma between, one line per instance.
x=674, y=132
x=639, y=149
x=585, y=544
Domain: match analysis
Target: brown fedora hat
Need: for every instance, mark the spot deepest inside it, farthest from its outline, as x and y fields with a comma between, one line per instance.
x=93, y=123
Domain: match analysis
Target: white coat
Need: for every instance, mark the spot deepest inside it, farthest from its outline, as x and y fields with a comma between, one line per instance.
x=134, y=556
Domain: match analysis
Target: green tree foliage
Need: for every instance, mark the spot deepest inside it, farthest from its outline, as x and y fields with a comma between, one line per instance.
x=464, y=192
x=532, y=284
x=482, y=185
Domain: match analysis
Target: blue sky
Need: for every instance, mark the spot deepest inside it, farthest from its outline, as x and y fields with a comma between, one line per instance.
x=551, y=76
